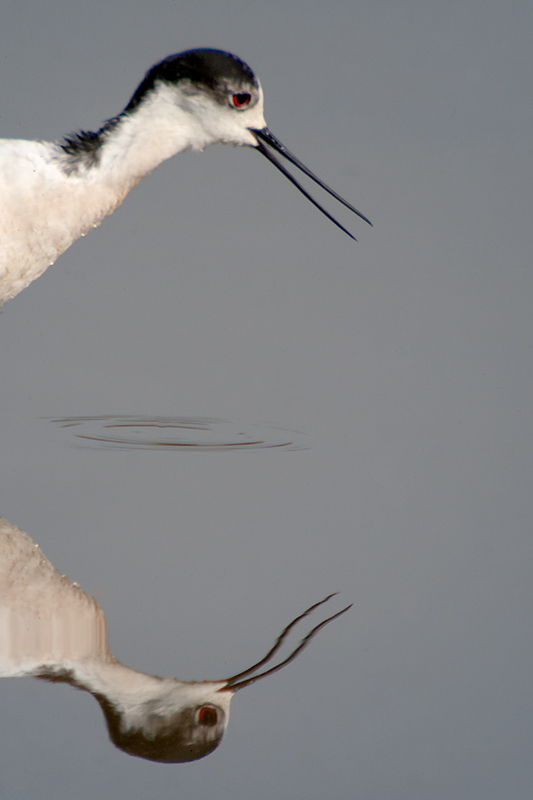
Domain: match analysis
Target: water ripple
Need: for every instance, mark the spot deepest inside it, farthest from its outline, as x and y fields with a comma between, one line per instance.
x=202, y=434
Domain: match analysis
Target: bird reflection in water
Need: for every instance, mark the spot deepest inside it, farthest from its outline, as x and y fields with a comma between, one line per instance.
x=51, y=629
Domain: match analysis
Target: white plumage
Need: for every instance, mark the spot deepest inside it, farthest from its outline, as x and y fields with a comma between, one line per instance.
x=51, y=629
x=52, y=193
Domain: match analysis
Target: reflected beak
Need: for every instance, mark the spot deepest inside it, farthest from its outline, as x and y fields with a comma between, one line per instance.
x=236, y=682
x=264, y=137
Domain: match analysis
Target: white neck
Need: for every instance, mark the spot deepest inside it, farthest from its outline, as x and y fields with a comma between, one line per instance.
x=50, y=194
x=157, y=129
x=48, y=198
x=132, y=692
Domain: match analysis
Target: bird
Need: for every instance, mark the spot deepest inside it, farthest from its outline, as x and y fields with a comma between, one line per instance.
x=51, y=629
x=51, y=193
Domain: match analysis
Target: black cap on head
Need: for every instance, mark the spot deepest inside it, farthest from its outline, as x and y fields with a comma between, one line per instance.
x=203, y=67
x=184, y=736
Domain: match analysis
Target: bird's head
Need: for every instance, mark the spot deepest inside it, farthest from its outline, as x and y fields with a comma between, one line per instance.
x=175, y=721
x=221, y=100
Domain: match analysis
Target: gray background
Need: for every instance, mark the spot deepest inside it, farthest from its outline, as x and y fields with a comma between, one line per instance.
x=404, y=359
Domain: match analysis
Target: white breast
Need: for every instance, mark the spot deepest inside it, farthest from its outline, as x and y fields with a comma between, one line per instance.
x=45, y=618
x=48, y=198
x=42, y=211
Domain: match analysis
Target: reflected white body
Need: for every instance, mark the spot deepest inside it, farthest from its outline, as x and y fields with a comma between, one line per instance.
x=51, y=628
x=48, y=623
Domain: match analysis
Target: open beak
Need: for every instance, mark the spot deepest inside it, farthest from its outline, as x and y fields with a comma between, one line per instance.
x=236, y=682
x=264, y=137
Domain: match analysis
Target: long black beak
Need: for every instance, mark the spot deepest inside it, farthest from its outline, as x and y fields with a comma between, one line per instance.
x=235, y=683
x=263, y=137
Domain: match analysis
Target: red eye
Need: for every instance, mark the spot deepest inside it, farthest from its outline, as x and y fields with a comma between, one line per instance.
x=241, y=100
x=207, y=716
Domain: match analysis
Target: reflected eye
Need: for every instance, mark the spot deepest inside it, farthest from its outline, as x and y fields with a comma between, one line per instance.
x=207, y=716
x=241, y=100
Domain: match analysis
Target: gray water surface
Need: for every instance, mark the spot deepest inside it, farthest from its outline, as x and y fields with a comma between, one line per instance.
x=404, y=360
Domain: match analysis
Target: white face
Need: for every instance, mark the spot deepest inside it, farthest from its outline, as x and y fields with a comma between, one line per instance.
x=168, y=697
x=171, y=721
x=227, y=113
